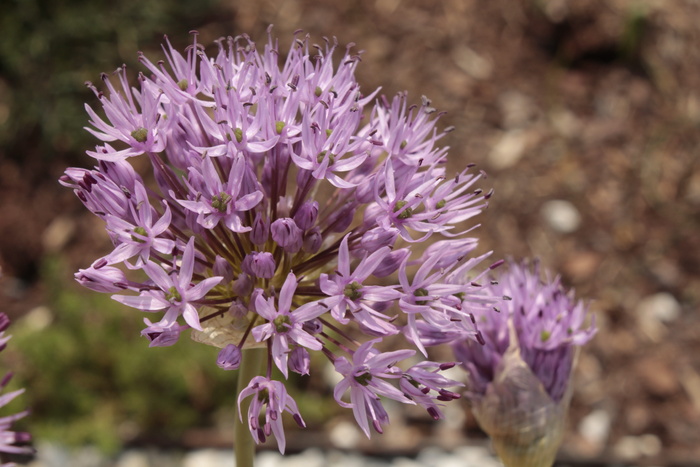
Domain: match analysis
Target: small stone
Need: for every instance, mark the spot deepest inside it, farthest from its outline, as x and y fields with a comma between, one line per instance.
x=634, y=447
x=208, y=458
x=57, y=234
x=473, y=64
x=133, y=458
x=656, y=310
x=37, y=319
x=344, y=435
x=661, y=306
x=508, y=150
x=308, y=458
x=561, y=215
x=595, y=428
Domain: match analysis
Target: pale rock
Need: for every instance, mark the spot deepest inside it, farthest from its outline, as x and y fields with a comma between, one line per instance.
x=634, y=447
x=561, y=215
x=57, y=234
x=345, y=435
x=661, y=306
x=508, y=150
x=37, y=319
x=656, y=310
x=595, y=427
x=208, y=458
x=133, y=458
x=473, y=64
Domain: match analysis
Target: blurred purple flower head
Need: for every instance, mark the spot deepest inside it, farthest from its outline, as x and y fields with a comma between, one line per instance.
x=285, y=204
x=547, y=320
x=519, y=373
x=9, y=439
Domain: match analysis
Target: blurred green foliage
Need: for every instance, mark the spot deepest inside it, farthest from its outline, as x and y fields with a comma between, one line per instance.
x=91, y=378
x=49, y=48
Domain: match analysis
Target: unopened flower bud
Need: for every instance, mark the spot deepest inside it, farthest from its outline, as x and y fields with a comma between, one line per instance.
x=312, y=240
x=372, y=211
x=379, y=237
x=306, y=216
x=313, y=326
x=283, y=207
x=341, y=219
x=261, y=230
x=299, y=360
x=259, y=264
x=229, y=357
x=223, y=268
x=287, y=234
x=161, y=335
x=391, y=263
x=243, y=285
x=105, y=279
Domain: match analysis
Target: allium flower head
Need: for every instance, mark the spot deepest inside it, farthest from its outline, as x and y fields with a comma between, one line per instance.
x=9, y=439
x=519, y=376
x=289, y=211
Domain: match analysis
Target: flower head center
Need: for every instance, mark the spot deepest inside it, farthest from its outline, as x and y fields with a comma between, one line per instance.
x=139, y=231
x=421, y=292
x=352, y=291
x=545, y=335
x=406, y=213
x=282, y=323
x=363, y=379
x=221, y=201
x=322, y=155
x=173, y=295
x=140, y=134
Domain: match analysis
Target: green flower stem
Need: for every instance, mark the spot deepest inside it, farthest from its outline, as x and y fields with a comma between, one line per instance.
x=243, y=444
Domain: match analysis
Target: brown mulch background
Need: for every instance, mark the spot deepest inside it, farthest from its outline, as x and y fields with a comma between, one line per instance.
x=594, y=105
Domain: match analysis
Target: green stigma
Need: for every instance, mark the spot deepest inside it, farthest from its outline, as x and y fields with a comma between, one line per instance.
x=403, y=144
x=322, y=154
x=440, y=204
x=220, y=201
x=279, y=126
x=352, y=291
x=545, y=335
x=363, y=379
x=173, y=295
x=282, y=323
x=318, y=91
x=421, y=293
x=140, y=135
x=140, y=231
x=182, y=84
x=239, y=134
x=406, y=213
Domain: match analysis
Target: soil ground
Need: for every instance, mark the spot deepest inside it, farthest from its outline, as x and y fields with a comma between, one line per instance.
x=584, y=114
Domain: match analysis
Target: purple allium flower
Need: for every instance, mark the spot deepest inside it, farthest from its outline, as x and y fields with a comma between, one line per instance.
x=548, y=323
x=519, y=374
x=9, y=439
x=272, y=395
x=288, y=210
x=364, y=378
x=229, y=357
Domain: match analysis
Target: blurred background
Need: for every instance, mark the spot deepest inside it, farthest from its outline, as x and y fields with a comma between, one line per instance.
x=584, y=113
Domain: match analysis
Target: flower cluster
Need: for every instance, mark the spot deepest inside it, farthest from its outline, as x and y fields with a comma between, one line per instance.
x=285, y=210
x=9, y=439
x=519, y=376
